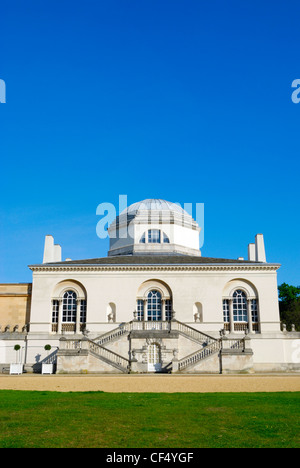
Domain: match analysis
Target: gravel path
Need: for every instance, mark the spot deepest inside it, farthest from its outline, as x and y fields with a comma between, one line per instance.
x=150, y=383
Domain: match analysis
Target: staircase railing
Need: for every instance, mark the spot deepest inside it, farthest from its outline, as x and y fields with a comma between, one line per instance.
x=127, y=327
x=199, y=355
x=192, y=332
x=114, y=334
x=111, y=356
x=228, y=343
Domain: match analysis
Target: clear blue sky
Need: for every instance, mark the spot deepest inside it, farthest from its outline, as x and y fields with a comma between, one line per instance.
x=189, y=101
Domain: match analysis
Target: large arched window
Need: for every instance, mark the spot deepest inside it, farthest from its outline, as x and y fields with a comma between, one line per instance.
x=240, y=308
x=154, y=306
x=154, y=302
x=69, y=307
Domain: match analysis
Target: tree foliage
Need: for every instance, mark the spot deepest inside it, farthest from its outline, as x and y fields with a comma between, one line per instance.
x=289, y=304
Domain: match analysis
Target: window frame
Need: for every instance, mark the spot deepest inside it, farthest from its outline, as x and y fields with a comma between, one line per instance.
x=154, y=306
x=240, y=306
x=69, y=307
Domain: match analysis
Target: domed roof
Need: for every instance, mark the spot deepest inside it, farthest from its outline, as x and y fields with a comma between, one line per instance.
x=154, y=227
x=154, y=204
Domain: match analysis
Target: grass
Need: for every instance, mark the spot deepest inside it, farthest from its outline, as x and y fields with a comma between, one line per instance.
x=147, y=420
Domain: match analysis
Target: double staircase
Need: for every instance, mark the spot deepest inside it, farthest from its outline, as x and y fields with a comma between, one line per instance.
x=208, y=345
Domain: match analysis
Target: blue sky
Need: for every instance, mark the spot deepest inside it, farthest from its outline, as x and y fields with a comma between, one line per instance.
x=189, y=101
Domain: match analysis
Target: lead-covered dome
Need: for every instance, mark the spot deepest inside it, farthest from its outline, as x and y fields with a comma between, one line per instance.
x=155, y=204
x=154, y=226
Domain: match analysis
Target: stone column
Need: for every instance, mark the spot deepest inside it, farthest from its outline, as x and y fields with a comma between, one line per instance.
x=60, y=312
x=231, y=322
x=84, y=344
x=145, y=310
x=163, y=310
x=62, y=343
x=77, y=329
x=249, y=313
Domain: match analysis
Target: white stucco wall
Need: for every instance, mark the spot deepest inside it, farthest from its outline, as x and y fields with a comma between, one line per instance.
x=188, y=287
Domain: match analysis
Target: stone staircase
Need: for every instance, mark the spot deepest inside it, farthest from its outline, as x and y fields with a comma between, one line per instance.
x=209, y=345
x=97, y=347
x=113, y=335
x=200, y=355
x=108, y=356
x=191, y=333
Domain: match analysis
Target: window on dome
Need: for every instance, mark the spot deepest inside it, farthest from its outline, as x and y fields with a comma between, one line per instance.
x=154, y=236
x=143, y=239
x=166, y=239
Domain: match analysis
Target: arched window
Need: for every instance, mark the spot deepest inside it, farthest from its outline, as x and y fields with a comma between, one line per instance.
x=69, y=307
x=240, y=309
x=154, y=306
x=166, y=239
x=154, y=236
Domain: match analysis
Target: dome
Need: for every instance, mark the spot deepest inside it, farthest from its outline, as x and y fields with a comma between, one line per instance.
x=154, y=227
x=155, y=204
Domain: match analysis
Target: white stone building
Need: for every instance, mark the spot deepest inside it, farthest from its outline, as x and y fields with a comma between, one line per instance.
x=155, y=304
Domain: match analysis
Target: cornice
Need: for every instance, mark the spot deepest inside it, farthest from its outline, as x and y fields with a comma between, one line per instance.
x=94, y=268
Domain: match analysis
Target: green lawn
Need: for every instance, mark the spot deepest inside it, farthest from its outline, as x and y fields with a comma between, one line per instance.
x=136, y=420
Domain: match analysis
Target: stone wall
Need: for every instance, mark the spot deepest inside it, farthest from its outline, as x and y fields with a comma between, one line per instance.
x=15, y=303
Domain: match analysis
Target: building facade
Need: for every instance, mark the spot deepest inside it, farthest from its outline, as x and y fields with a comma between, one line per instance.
x=154, y=304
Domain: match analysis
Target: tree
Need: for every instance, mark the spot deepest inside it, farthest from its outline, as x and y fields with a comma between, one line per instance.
x=17, y=348
x=289, y=305
x=288, y=293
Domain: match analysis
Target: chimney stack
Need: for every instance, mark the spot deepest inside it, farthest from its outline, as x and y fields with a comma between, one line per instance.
x=257, y=252
x=260, y=248
x=52, y=253
x=251, y=253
